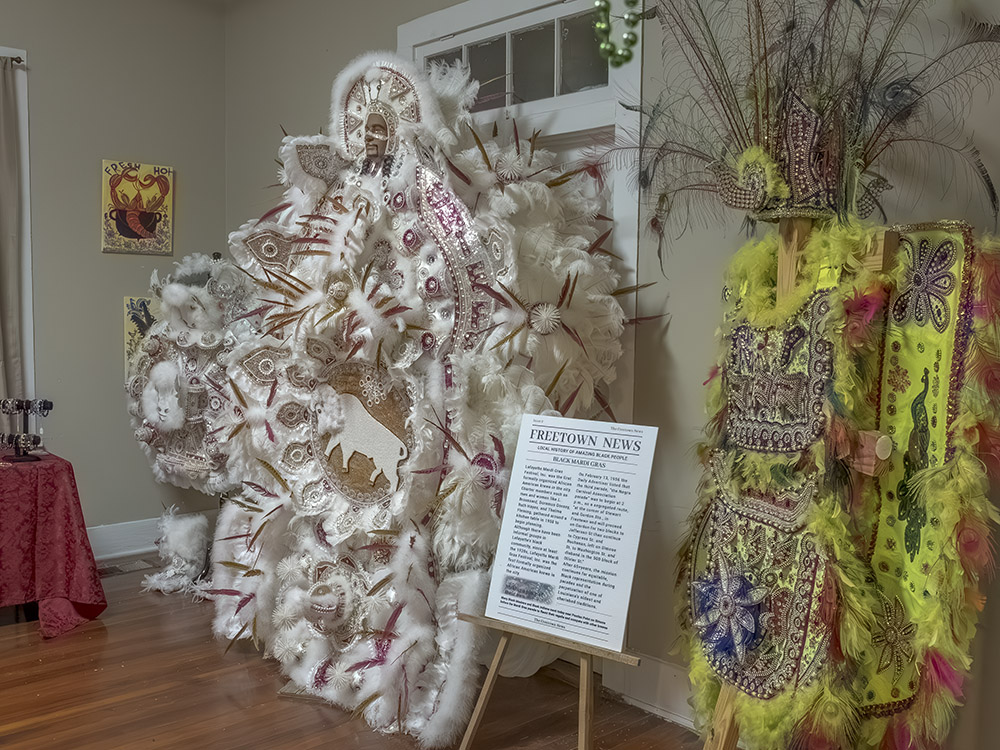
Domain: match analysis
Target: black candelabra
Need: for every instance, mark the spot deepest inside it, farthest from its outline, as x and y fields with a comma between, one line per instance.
x=22, y=441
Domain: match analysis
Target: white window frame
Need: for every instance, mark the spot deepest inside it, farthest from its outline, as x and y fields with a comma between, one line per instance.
x=27, y=305
x=566, y=121
x=480, y=20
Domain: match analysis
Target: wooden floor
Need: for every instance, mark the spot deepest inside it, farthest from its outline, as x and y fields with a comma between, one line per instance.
x=147, y=674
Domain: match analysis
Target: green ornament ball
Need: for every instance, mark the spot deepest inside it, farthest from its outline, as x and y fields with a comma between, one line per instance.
x=631, y=19
x=631, y=3
x=607, y=49
x=602, y=27
x=603, y=5
x=623, y=56
x=629, y=39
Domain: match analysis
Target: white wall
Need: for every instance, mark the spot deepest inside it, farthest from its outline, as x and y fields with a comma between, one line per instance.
x=112, y=79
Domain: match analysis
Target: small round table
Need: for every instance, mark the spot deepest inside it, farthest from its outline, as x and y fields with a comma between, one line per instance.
x=45, y=555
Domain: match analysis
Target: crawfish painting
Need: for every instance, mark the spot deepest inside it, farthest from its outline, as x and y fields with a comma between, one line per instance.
x=137, y=209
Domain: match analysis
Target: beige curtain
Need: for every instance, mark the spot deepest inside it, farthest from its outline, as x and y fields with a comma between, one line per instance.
x=11, y=360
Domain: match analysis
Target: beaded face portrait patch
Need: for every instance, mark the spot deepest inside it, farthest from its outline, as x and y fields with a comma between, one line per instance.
x=385, y=93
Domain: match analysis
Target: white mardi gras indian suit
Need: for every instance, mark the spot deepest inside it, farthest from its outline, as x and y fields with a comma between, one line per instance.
x=414, y=299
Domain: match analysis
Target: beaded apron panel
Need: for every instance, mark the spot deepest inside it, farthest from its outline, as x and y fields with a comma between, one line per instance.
x=756, y=585
x=776, y=380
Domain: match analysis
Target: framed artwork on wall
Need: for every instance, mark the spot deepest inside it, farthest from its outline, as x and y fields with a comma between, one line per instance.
x=137, y=208
x=140, y=314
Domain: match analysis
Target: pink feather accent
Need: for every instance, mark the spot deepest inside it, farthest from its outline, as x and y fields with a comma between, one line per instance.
x=940, y=675
x=986, y=370
x=989, y=448
x=274, y=211
x=565, y=407
x=712, y=374
x=244, y=602
x=901, y=735
x=838, y=439
x=224, y=592
x=322, y=676
x=810, y=740
x=897, y=736
x=260, y=489
x=498, y=447
x=975, y=546
x=987, y=304
x=859, y=312
x=381, y=645
x=828, y=599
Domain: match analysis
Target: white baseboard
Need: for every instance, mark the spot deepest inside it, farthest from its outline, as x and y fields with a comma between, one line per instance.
x=656, y=686
x=131, y=538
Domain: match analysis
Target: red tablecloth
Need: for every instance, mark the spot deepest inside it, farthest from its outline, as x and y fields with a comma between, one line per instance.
x=45, y=555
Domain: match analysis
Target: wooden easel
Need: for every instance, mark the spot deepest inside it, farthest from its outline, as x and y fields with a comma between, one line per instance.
x=793, y=234
x=587, y=654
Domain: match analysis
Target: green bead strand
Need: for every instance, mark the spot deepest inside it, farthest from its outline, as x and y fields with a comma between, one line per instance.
x=615, y=55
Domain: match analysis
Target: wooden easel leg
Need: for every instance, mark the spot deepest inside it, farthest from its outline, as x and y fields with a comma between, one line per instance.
x=725, y=733
x=586, y=719
x=484, y=694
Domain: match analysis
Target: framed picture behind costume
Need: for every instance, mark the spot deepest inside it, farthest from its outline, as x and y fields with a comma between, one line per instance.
x=140, y=314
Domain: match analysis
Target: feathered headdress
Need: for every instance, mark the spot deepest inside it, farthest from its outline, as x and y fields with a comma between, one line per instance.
x=792, y=107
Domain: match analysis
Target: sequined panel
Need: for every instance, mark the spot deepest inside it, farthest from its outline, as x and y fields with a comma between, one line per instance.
x=293, y=414
x=299, y=377
x=471, y=263
x=802, y=159
x=270, y=249
x=190, y=451
x=296, y=455
x=314, y=498
x=334, y=604
x=317, y=160
x=262, y=364
x=777, y=381
x=744, y=192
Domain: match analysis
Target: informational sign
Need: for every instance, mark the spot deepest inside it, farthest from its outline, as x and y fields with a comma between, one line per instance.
x=571, y=527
